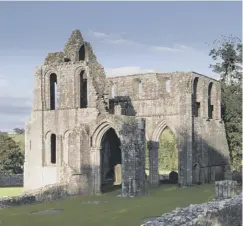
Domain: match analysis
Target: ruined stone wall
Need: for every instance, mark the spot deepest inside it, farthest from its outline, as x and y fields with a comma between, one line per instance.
x=67, y=117
x=153, y=99
x=223, y=213
x=161, y=99
x=161, y=104
x=201, y=142
x=11, y=180
x=211, y=152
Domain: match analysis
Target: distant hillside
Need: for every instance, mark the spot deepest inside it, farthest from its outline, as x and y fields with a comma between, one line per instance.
x=19, y=138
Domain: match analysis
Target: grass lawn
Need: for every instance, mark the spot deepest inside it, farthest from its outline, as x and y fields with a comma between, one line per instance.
x=10, y=191
x=112, y=211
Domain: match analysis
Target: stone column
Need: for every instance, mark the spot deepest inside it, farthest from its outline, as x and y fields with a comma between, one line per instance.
x=225, y=189
x=133, y=157
x=58, y=157
x=153, y=162
x=95, y=161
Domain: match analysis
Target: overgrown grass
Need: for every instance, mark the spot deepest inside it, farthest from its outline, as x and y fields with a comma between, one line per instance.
x=11, y=191
x=112, y=211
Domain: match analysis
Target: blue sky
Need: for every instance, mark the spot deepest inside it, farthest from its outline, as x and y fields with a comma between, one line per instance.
x=127, y=37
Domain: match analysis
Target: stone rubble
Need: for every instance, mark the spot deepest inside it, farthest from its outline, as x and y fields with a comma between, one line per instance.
x=224, y=213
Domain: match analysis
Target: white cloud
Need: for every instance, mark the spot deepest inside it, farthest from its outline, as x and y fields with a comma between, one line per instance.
x=128, y=70
x=97, y=34
x=117, y=38
x=122, y=41
x=166, y=49
x=175, y=48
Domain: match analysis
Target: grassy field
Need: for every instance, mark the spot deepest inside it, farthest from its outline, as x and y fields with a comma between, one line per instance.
x=11, y=191
x=111, y=211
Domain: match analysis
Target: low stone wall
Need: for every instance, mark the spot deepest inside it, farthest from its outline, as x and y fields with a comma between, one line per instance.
x=47, y=193
x=224, y=213
x=11, y=180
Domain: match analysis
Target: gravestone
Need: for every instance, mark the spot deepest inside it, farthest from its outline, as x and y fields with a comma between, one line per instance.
x=118, y=179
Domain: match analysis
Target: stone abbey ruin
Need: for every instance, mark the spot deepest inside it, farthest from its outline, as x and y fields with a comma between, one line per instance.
x=87, y=130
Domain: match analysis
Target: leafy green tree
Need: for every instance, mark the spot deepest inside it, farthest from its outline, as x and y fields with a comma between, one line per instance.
x=227, y=54
x=11, y=158
x=19, y=131
x=168, y=154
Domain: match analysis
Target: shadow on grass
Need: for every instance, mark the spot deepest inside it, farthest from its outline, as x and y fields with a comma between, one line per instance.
x=110, y=188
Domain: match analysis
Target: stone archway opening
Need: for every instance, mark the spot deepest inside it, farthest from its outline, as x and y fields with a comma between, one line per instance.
x=110, y=161
x=167, y=157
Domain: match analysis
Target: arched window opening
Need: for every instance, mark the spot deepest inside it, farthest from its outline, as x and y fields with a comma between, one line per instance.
x=167, y=155
x=195, y=102
x=137, y=86
x=140, y=87
x=53, y=148
x=113, y=91
x=83, y=90
x=81, y=53
x=53, y=91
x=110, y=160
x=168, y=85
x=210, y=105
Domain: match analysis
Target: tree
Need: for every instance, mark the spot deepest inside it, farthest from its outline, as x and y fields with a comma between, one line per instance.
x=19, y=131
x=168, y=155
x=227, y=55
x=11, y=158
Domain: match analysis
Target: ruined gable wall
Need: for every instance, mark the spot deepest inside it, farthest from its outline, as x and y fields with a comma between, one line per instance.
x=210, y=148
x=67, y=116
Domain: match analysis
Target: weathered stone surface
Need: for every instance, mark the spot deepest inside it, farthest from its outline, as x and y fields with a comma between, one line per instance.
x=223, y=213
x=133, y=154
x=44, y=194
x=11, y=180
x=225, y=189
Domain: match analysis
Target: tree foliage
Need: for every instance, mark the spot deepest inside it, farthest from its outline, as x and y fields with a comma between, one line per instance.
x=168, y=155
x=227, y=55
x=11, y=158
x=19, y=131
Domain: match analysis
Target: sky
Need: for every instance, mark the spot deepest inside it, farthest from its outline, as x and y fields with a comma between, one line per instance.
x=127, y=38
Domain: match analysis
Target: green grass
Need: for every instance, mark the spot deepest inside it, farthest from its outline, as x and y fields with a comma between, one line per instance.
x=19, y=138
x=116, y=212
x=11, y=191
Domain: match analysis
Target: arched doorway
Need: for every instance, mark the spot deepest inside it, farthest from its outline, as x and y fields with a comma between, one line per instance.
x=110, y=161
x=196, y=174
x=167, y=156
